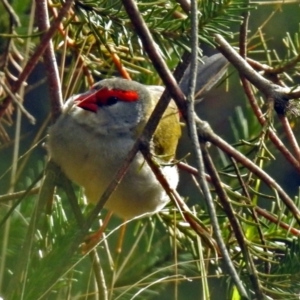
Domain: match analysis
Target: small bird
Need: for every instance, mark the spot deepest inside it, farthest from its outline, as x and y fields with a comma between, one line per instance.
x=95, y=132
x=97, y=129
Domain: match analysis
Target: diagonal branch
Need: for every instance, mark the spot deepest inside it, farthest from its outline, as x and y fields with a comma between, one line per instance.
x=273, y=92
x=239, y=157
x=37, y=54
x=49, y=58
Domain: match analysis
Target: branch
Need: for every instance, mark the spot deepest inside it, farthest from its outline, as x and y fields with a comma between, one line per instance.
x=42, y=18
x=152, y=50
x=236, y=226
x=275, y=93
x=37, y=54
x=210, y=136
x=262, y=212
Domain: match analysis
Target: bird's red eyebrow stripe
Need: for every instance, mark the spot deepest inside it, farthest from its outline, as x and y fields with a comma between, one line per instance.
x=126, y=96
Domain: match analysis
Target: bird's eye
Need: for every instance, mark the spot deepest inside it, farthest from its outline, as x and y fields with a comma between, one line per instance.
x=112, y=100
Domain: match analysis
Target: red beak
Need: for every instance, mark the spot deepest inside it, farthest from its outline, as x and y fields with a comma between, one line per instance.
x=88, y=100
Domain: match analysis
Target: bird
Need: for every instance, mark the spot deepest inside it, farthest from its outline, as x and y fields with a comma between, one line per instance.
x=95, y=132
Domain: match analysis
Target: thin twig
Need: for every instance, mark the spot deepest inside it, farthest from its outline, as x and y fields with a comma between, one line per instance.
x=255, y=107
x=199, y=159
x=262, y=120
x=238, y=232
x=290, y=136
x=13, y=16
x=49, y=60
x=186, y=213
x=220, y=143
x=253, y=212
x=264, y=85
x=69, y=42
x=17, y=101
x=243, y=52
x=279, y=95
x=37, y=54
x=17, y=195
x=154, y=54
x=275, y=92
x=94, y=257
x=262, y=212
x=185, y=5
x=19, y=274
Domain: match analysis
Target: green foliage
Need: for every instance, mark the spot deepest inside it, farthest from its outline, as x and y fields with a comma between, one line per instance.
x=41, y=255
